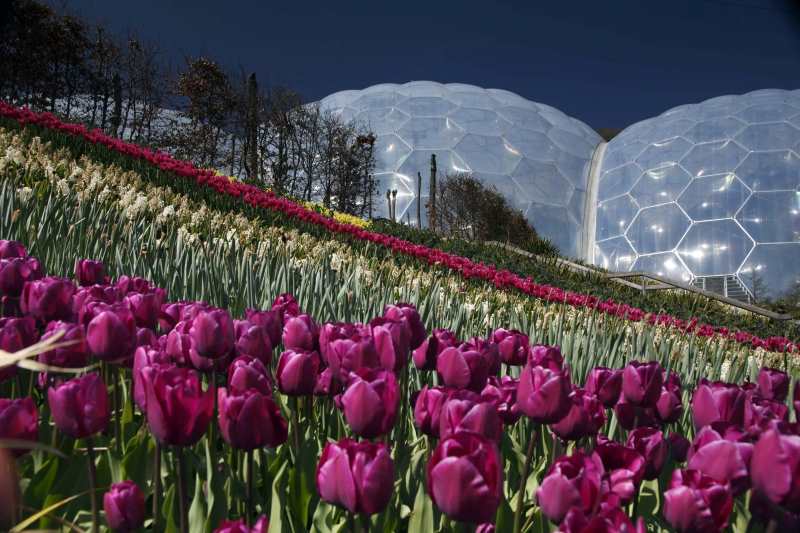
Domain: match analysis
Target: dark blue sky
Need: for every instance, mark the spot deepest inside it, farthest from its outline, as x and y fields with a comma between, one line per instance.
x=607, y=63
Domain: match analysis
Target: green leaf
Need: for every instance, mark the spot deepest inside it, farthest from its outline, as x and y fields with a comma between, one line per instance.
x=277, y=504
x=422, y=515
x=217, y=506
x=169, y=510
x=197, y=510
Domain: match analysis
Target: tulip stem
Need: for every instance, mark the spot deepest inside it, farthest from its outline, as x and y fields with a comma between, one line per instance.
x=181, y=490
x=92, y=484
x=249, y=502
x=523, y=482
x=116, y=376
x=296, y=424
x=156, y=485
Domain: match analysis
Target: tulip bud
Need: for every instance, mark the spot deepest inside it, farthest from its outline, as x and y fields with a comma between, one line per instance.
x=285, y=306
x=300, y=332
x=253, y=341
x=465, y=477
x=546, y=356
x=19, y=420
x=650, y=443
x=15, y=272
x=232, y=526
x=720, y=402
x=124, y=506
x=669, y=406
x=297, y=372
x=604, y=383
x=427, y=353
x=543, y=394
x=11, y=249
x=80, y=406
x=111, y=335
x=15, y=334
x=631, y=416
x=514, y=346
x=347, y=348
x=695, y=502
x=48, y=299
x=641, y=383
x=773, y=384
x=462, y=368
x=775, y=468
x=428, y=409
x=571, y=481
x=358, y=476
x=464, y=411
x=502, y=393
x=143, y=357
x=250, y=420
x=584, y=419
x=326, y=384
x=370, y=402
x=245, y=373
x=678, y=447
x=212, y=334
x=624, y=465
x=128, y=284
x=146, y=308
x=178, y=410
x=271, y=321
x=391, y=338
x=74, y=355
x=723, y=460
x=89, y=272
x=409, y=315
x=488, y=351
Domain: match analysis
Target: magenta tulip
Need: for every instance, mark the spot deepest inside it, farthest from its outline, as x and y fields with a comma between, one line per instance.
x=502, y=393
x=179, y=344
x=285, y=305
x=146, y=308
x=250, y=420
x=543, y=394
x=641, y=383
x=514, y=346
x=466, y=412
x=650, y=443
x=632, y=416
x=723, y=460
x=773, y=384
x=409, y=315
x=300, y=332
x=669, y=406
x=297, y=372
x=428, y=409
x=462, y=368
x=720, y=402
x=271, y=321
x=678, y=447
x=465, y=477
x=232, y=526
x=697, y=503
x=571, y=481
x=252, y=340
x=19, y=420
x=391, y=338
x=775, y=469
x=111, y=334
x=606, y=384
x=89, y=272
x=358, y=476
x=48, y=299
x=488, y=351
x=584, y=419
x=326, y=384
x=124, y=506
x=427, y=353
x=80, y=406
x=549, y=357
x=212, y=334
x=178, y=409
x=15, y=334
x=245, y=373
x=11, y=249
x=370, y=402
x=347, y=348
x=15, y=272
x=625, y=467
x=143, y=357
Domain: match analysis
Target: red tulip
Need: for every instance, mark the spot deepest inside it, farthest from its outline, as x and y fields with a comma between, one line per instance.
x=370, y=402
x=543, y=394
x=641, y=383
x=212, y=334
x=604, y=383
x=502, y=393
x=89, y=272
x=359, y=476
x=427, y=353
x=19, y=420
x=697, y=503
x=650, y=443
x=773, y=384
x=245, y=373
x=297, y=372
x=409, y=315
x=250, y=419
x=465, y=477
x=466, y=412
x=48, y=299
x=80, y=406
x=571, y=481
x=514, y=346
x=124, y=506
x=720, y=402
x=462, y=368
x=723, y=460
x=584, y=419
x=775, y=469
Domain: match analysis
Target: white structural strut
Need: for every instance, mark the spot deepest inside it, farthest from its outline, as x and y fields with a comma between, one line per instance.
x=590, y=210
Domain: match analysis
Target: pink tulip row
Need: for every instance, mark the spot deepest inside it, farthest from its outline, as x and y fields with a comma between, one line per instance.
x=469, y=269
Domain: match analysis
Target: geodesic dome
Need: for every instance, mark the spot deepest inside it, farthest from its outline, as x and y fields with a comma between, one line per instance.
x=533, y=154
x=707, y=192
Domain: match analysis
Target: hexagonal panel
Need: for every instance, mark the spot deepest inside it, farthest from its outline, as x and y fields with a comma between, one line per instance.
x=767, y=112
x=618, y=154
x=765, y=171
x=475, y=99
x=515, y=195
x=615, y=255
x=488, y=154
x=382, y=120
x=577, y=205
x=533, y=144
x=529, y=119
x=543, y=182
x=666, y=264
x=614, y=216
x=663, y=153
x=766, y=274
x=555, y=223
x=715, y=129
x=771, y=136
x=570, y=142
x=713, y=158
x=390, y=151
x=447, y=162
x=376, y=99
x=479, y=121
x=671, y=128
x=618, y=181
x=772, y=216
x=431, y=133
x=710, y=197
x=714, y=248
x=426, y=106
x=574, y=168
x=657, y=229
x=660, y=185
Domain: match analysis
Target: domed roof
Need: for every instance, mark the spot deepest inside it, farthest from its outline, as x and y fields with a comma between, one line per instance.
x=704, y=190
x=533, y=154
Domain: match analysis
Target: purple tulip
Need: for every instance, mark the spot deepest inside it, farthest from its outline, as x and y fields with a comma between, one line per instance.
x=271, y=321
x=146, y=308
x=285, y=306
x=178, y=409
x=641, y=383
x=300, y=332
x=212, y=334
x=765, y=412
x=669, y=406
x=347, y=348
x=514, y=346
x=142, y=358
x=584, y=419
x=608, y=519
x=391, y=338
x=631, y=416
x=604, y=383
x=723, y=460
x=571, y=481
x=128, y=284
x=358, y=476
x=124, y=506
x=488, y=351
x=720, y=402
x=111, y=334
x=15, y=272
x=625, y=467
x=15, y=335
x=74, y=355
x=796, y=401
x=678, y=447
x=146, y=337
x=370, y=402
x=252, y=340
x=775, y=469
x=773, y=384
x=245, y=373
x=89, y=272
x=80, y=406
x=502, y=393
x=179, y=343
x=543, y=394
x=428, y=409
x=466, y=412
x=650, y=443
x=297, y=372
x=549, y=357
x=250, y=420
x=238, y=526
x=11, y=249
x=48, y=299
x=326, y=384
x=697, y=503
x=465, y=478
x=427, y=353
x=462, y=368
x=409, y=315
x=88, y=301
x=19, y=420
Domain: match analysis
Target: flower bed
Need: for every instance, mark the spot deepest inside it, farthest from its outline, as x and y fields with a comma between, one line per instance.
x=233, y=192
